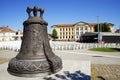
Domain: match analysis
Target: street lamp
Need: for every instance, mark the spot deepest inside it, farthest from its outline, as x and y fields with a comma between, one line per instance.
x=98, y=23
x=99, y=34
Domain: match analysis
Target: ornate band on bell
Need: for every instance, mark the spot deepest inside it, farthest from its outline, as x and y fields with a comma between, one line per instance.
x=36, y=57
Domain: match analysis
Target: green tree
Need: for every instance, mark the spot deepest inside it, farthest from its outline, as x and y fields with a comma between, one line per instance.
x=103, y=27
x=54, y=34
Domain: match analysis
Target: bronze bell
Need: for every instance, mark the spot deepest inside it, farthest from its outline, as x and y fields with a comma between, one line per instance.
x=36, y=57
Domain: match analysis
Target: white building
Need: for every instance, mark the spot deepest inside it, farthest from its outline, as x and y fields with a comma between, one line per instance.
x=7, y=34
x=19, y=35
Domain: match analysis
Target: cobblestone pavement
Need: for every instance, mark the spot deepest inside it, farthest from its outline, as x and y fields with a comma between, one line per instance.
x=106, y=72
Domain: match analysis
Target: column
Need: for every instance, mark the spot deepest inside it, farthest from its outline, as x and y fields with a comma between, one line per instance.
x=75, y=32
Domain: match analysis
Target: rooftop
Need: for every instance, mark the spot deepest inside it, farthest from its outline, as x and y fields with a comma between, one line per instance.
x=6, y=29
x=65, y=25
x=92, y=24
x=72, y=25
x=117, y=31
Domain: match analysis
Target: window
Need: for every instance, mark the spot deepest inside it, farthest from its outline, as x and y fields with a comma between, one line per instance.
x=77, y=36
x=77, y=33
x=69, y=33
x=72, y=32
x=16, y=33
x=60, y=29
x=81, y=32
x=81, y=28
x=60, y=33
x=85, y=28
x=72, y=28
x=66, y=32
x=77, y=28
x=60, y=37
x=72, y=36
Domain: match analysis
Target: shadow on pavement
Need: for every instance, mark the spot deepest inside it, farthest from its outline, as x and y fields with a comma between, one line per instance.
x=101, y=78
x=77, y=75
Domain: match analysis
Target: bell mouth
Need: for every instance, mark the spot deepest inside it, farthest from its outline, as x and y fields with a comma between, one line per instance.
x=34, y=68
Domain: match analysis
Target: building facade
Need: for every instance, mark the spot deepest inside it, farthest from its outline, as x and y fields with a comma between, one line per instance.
x=73, y=32
x=7, y=34
x=117, y=31
x=65, y=31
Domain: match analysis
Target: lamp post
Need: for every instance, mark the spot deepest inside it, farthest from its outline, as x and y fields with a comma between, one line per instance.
x=98, y=23
x=99, y=30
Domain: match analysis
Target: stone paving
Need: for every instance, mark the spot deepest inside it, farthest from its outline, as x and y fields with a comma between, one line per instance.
x=72, y=70
x=103, y=71
x=106, y=72
x=94, y=57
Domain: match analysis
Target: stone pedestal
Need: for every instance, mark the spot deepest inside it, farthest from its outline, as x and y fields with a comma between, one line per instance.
x=35, y=57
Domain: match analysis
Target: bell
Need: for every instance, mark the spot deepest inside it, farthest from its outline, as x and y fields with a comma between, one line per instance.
x=35, y=57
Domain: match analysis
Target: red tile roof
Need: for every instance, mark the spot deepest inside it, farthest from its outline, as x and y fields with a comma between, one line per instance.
x=72, y=25
x=6, y=29
x=65, y=25
x=92, y=24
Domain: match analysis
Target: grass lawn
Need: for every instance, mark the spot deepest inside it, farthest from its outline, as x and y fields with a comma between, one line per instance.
x=105, y=49
x=3, y=60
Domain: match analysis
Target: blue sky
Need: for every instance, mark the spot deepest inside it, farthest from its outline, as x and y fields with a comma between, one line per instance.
x=13, y=12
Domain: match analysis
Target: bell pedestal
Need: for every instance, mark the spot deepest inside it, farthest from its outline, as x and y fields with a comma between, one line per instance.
x=36, y=57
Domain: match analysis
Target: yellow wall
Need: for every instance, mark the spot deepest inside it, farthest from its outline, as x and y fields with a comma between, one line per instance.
x=73, y=32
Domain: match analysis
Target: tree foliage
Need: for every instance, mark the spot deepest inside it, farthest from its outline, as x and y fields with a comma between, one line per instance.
x=103, y=27
x=54, y=34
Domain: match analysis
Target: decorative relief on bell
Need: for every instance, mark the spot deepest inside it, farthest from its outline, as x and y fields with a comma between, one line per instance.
x=35, y=57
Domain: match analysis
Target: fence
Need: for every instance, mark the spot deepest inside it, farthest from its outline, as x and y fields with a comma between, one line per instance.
x=15, y=45
x=78, y=46
x=10, y=45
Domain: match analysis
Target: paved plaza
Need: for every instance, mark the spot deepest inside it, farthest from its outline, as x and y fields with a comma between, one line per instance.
x=94, y=57
x=106, y=72
x=105, y=66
